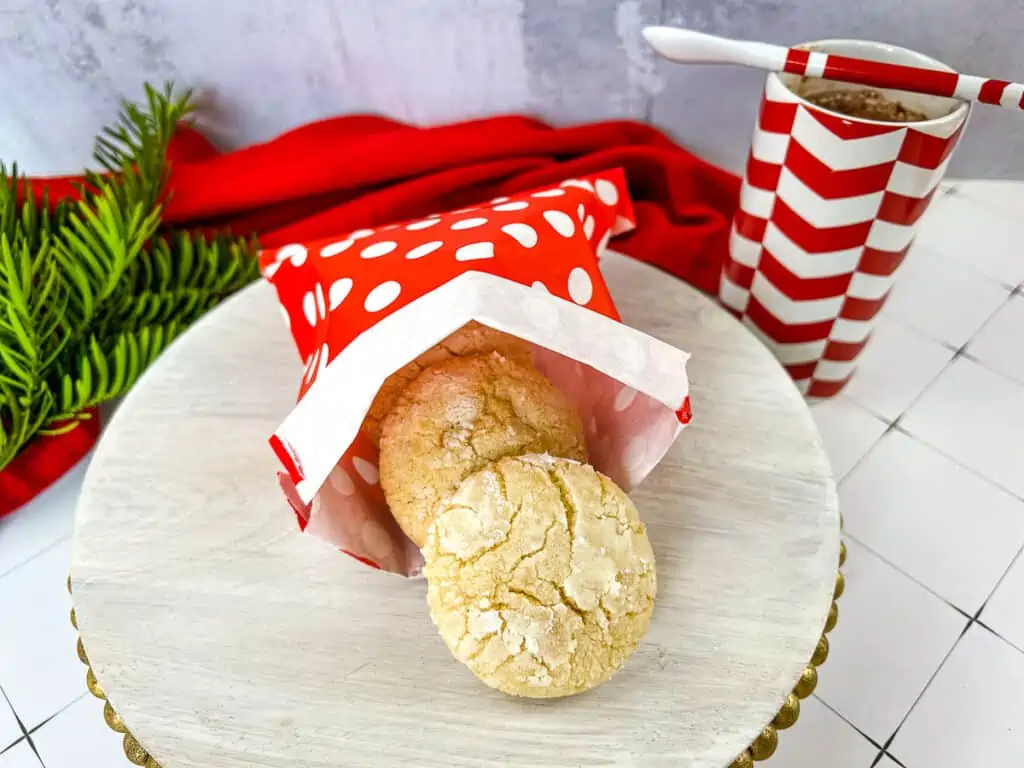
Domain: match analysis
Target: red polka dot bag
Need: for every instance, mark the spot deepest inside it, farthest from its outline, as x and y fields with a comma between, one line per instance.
x=362, y=306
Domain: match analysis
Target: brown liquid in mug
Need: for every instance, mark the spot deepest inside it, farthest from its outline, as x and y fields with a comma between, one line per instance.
x=865, y=103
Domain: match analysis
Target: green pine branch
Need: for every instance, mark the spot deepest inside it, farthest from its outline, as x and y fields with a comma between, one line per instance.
x=90, y=291
x=103, y=369
x=139, y=139
x=181, y=276
x=96, y=246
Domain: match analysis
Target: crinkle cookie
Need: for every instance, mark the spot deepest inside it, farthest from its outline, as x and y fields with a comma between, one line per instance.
x=456, y=418
x=540, y=576
x=471, y=339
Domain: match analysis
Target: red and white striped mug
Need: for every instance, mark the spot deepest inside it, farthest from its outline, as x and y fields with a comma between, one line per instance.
x=828, y=209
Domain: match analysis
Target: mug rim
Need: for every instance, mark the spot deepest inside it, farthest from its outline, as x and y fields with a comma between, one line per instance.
x=957, y=115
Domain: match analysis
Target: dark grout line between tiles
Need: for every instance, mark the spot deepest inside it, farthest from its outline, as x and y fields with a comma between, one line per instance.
x=35, y=556
x=925, y=587
x=899, y=427
x=1015, y=647
x=17, y=717
x=9, y=747
x=846, y=720
x=58, y=712
x=32, y=746
x=924, y=690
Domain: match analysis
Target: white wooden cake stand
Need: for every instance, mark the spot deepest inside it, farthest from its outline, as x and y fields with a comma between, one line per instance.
x=224, y=638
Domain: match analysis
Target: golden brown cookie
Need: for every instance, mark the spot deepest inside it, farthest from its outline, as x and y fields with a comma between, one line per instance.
x=457, y=417
x=540, y=576
x=471, y=339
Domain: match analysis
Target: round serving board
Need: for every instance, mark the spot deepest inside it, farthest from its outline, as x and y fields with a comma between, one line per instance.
x=226, y=638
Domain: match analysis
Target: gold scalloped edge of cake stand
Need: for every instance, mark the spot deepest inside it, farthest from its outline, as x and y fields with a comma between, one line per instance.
x=134, y=751
x=764, y=745
x=767, y=742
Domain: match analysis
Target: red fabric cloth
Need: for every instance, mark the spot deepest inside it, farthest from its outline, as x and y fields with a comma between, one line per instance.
x=343, y=173
x=44, y=460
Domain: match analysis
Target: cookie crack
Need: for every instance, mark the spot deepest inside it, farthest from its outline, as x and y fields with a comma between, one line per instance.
x=570, y=521
x=481, y=642
x=492, y=409
x=531, y=598
x=516, y=510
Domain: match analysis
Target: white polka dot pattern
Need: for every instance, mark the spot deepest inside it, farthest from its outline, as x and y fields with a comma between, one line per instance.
x=560, y=222
x=323, y=358
x=366, y=470
x=624, y=399
x=475, y=251
x=295, y=253
x=581, y=183
x=321, y=307
x=382, y=296
x=581, y=287
x=490, y=237
x=329, y=251
x=311, y=365
x=340, y=288
x=516, y=205
x=523, y=234
x=376, y=541
x=309, y=308
x=545, y=238
x=423, y=250
x=378, y=249
x=341, y=481
x=607, y=192
x=477, y=221
x=418, y=225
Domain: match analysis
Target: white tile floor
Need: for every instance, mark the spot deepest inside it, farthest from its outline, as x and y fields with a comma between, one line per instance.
x=927, y=663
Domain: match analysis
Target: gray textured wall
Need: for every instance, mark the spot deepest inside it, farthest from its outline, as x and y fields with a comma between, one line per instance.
x=266, y=65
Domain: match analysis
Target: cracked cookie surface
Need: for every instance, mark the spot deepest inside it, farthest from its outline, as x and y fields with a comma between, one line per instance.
x=540, y=575
x=471, y=339
x=456, y=418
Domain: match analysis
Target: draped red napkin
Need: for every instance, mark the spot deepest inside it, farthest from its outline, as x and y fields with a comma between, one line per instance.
x=344, y=173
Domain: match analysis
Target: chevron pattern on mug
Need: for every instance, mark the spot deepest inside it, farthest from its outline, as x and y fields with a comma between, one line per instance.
x=828, y=209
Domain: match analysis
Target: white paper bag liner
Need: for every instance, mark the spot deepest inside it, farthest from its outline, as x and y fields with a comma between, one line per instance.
x=325, y=422
x=629, y=389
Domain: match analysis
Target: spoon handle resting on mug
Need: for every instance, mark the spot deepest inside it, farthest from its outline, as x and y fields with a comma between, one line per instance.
x=691, y=47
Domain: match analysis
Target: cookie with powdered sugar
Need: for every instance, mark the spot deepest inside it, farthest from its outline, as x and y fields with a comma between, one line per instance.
x=541, y=578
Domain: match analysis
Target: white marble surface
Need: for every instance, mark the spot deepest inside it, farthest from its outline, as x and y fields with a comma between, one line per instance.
x=265, y=67
x=924, y=555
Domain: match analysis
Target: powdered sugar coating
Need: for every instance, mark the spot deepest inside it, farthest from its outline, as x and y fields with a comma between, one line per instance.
x=540, y=576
